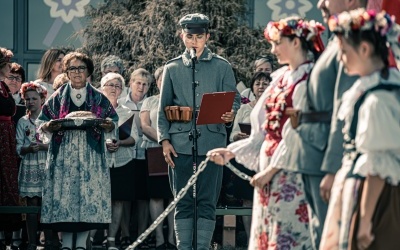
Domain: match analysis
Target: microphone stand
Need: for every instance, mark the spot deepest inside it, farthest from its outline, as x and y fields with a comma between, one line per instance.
x=193, y=135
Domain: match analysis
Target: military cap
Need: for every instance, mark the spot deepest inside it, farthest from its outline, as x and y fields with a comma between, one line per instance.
x=194, y=23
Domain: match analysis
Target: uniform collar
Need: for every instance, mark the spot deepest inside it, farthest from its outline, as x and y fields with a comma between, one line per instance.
x=207, y=55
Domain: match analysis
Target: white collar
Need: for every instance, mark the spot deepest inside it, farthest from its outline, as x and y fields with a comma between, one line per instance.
x=78, y=96
x=363, y=84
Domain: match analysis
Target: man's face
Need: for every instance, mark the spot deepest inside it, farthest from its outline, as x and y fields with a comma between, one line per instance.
x=196, y=41
x=333, y=7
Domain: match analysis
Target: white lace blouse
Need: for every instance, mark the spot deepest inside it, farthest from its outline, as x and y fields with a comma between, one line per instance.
x=251, y=151
x=378, y=129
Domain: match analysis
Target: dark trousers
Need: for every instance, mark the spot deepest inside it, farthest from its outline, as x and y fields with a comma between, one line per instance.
x=208, y=187
x=318, y=207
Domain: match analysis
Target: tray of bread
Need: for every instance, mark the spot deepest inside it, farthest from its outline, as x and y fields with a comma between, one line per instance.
x=80, y=120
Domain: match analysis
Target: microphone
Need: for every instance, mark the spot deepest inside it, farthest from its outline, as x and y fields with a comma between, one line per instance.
x=192, y=53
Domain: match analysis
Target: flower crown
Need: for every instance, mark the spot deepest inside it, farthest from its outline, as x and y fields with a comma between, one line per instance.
x=33, y=86
x=292, y=26
x=309, y=30
x=360, y=19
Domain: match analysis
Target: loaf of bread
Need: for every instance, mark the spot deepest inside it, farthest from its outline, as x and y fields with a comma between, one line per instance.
x=81, y=114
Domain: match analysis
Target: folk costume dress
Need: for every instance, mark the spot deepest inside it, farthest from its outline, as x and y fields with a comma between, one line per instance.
x=377, y=151
x=76, y=188
x=8, y=159
x=31, y=170
x=280, y=216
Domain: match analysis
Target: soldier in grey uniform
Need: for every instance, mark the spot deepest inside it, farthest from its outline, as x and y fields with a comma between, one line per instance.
x=320, y=144
x=213, y=74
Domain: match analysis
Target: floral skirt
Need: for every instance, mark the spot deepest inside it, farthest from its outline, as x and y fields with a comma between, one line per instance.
x=77, y=185
x=342, y=204
x=31, y=173
x=280, y=215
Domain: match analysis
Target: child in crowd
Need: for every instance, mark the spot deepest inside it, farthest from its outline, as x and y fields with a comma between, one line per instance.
x=33, y=153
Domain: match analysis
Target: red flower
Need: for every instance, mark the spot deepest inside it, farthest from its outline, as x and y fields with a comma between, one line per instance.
x=262, y=242
x=302, y=211
x=264, y=196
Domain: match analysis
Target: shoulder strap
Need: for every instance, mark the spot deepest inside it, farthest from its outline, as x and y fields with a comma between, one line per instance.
x=354, y=122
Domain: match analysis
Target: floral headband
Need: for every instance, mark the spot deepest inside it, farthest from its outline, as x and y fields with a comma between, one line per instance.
x=309, y=30
x=360, y=19
x=33, y=86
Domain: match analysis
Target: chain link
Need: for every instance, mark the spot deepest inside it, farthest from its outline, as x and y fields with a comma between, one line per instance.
x=238, y=172
x=179, y=196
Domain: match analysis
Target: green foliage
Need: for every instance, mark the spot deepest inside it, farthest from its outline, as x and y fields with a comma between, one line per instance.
x=146, y=33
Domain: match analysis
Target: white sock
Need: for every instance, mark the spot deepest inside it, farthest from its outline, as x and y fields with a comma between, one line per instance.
x=16, y=236
x=81, y=239
x=67, y=239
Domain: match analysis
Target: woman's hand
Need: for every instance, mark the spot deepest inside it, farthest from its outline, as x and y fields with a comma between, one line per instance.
x=264, y=177
x=107, y=126
x=220, y=155
x=228, y=116
x=51, y=126
x=112, y=145
x=42, y=147
x=364, y=234
x=33, y=147
x=240, y=136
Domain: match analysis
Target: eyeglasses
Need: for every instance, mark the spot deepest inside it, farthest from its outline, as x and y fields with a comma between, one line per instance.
x=79, y=69
x=261, y=83
x=14, y=78
x=113, y=86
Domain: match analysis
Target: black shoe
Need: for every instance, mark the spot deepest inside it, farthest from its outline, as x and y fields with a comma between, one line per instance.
x=125, y=242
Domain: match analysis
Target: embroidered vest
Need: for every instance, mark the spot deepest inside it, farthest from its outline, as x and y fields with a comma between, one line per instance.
x=278, y=99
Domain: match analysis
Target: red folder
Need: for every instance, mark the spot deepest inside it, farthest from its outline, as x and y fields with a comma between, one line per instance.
x=213, y=106
x=155, y=161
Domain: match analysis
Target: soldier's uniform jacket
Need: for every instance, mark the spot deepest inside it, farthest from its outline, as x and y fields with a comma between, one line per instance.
x=320, y=148
x=213, y=74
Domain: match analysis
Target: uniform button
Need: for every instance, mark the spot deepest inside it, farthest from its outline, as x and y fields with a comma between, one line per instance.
x=180, y=128
x=196, y=70
x=197, y=106
x=197, y=94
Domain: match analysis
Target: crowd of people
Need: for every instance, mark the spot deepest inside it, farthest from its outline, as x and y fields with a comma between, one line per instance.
x=319, y=135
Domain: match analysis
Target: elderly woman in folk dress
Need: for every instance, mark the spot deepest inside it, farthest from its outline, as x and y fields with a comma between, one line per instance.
x=76, y=192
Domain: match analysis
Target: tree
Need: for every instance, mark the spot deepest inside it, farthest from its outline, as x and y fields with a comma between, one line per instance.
x=146, y=33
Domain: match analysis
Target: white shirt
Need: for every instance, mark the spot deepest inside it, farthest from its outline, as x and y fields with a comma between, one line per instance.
x=378, y=128
x=123, y=154
x=127, y=101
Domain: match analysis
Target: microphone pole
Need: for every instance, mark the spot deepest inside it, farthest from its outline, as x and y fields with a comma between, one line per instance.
x=193, y=135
